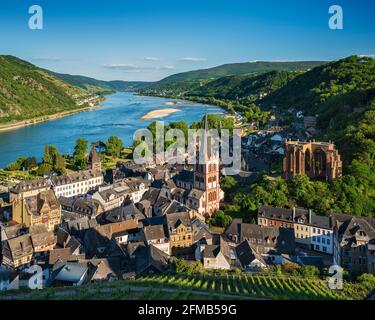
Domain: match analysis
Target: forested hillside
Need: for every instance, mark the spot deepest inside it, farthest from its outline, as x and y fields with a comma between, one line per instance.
x=191, y=81
x=246, y=87
x=27, y=91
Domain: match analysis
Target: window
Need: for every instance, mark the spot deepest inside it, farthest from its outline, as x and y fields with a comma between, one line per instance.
x=324, y=249
x=317, y=247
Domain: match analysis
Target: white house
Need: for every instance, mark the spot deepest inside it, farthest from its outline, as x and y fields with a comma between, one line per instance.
x=77, y=183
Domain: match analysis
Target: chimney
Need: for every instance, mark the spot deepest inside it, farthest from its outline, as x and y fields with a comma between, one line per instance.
x=310, y=216
x=294, y=213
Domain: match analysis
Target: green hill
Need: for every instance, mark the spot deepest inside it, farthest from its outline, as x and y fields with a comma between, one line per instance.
x=99, y=86
x=247, y=87
x=183, y=83
x=337, y=91
x=27, y=91
x=241, y=68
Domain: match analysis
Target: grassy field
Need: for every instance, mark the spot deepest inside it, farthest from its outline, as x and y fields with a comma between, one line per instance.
x=206, y=287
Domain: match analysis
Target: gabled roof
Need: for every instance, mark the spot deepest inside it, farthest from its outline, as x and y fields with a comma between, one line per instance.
x=129, y=212
x=35, y=203
x=63, y=255
x=149, y=256
x=176, y=206
x=247, y=254
x=349, y=230
x=175, y=219
x=43, y=239
x=78, y=225
x=212, y=251
x=201, y=233
x=63, y=237
x=152, y=195
x=19, y=247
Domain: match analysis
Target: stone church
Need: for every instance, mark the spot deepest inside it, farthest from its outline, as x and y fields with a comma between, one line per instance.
x=314, y=159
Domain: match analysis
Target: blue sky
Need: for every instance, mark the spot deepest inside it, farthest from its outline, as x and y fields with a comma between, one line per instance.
x=151, y=39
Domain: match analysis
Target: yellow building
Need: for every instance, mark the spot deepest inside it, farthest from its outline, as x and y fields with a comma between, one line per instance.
x=40, y=209
x=180, y=230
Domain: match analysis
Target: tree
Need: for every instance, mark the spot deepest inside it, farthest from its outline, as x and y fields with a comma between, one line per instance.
x=30, y=163
x=52, y=161
x=114, y=146
x=228, y=183
x=80, y=153
x=220, y=219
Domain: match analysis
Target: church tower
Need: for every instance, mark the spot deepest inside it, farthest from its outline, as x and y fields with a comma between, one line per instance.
x=94, y=160
x=206, y=175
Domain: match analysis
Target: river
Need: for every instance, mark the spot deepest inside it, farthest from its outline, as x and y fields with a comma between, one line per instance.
x=119, y=115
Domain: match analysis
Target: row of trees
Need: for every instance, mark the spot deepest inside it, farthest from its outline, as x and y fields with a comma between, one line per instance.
x=54, y=162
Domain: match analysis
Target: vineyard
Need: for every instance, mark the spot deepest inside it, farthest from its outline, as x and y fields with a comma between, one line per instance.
x=257, y=286
x=204, y=287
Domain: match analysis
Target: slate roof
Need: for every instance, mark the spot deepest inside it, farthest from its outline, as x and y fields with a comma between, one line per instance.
x=77, y=176
x=19, y=247
x=282, y=240
x=150, y=257
x=78, y=225
x=321, y=221
x=349, y=230
x=201, y=233
x=152, y=195
x=80, y=205
x=62, y=254
x=62, y=237
x=35, y=203
x=43, y=239
x=129, y=212
x=184, y=176
x=175, y=219
x=13, y=231
x=282, y=213
x=246, y=254
x=212, y=251
x=176, y=206
x=29, y=185
x=154, y=232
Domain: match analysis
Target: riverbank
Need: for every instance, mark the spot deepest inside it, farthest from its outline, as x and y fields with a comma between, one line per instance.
x=160, y=113
x=118, y=115
x=24, y=123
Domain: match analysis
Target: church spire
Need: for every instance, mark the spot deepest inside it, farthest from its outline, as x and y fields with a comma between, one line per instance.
x=206, y=123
